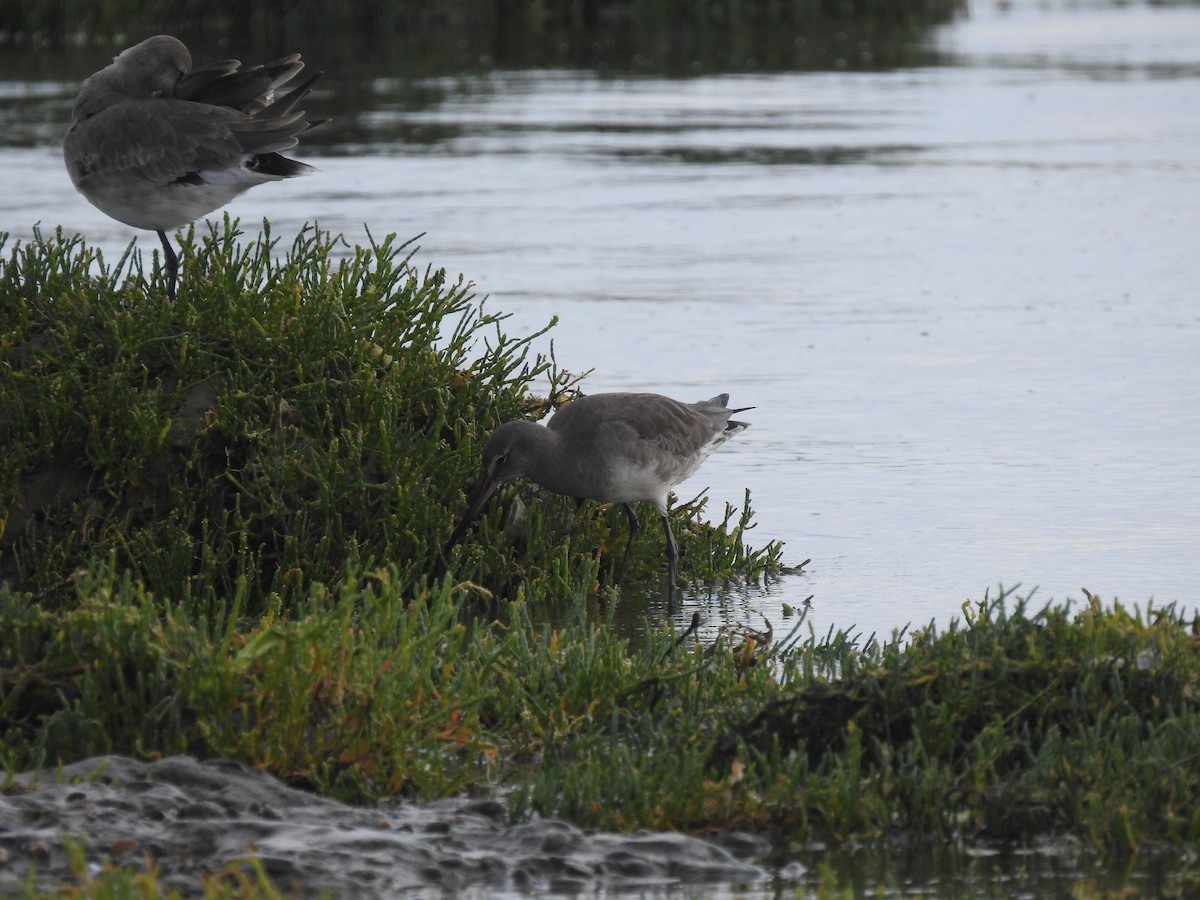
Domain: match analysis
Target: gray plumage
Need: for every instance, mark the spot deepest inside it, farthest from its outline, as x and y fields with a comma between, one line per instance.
x=615, y=448
x=155, y=144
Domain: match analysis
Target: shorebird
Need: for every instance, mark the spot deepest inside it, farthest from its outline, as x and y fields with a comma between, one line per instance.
x=156, y=144
x=615, y=448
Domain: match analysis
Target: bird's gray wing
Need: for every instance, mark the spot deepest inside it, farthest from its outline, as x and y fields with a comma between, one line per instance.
x=168, y=140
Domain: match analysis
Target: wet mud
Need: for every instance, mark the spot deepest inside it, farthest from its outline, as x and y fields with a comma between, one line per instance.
x=193, y=819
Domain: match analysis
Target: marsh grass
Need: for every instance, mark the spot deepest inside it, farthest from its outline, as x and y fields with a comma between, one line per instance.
x=201, y=502
x=222, y=523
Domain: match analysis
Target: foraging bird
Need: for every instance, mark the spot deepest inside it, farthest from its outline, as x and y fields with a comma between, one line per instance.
x=616, y=448
x=156, y=144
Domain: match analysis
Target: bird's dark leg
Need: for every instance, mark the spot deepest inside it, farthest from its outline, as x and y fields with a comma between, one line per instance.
x=633, y=530
x=172, y=264
x=672, y=556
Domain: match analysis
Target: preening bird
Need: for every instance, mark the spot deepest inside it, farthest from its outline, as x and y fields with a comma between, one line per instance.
x=156, y=144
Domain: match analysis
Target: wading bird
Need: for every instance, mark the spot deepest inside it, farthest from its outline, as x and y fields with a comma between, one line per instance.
x=615, y=448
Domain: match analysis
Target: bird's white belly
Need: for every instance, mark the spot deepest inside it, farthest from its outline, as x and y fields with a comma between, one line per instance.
x=141, y=203
x=632, y=483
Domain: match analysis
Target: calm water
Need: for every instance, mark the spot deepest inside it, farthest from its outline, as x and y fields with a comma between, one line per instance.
x=963, y=298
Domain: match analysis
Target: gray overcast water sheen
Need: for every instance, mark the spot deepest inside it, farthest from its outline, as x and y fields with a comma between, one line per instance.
x=962, y=298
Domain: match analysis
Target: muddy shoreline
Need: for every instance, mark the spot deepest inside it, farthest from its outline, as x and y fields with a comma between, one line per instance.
x=194, y=818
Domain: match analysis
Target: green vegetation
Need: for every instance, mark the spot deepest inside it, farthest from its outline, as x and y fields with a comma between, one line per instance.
x=202, y=502
x=243, y=880
x=221, y=530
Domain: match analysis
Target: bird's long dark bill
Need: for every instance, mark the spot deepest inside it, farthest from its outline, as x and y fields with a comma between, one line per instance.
x=472, y=513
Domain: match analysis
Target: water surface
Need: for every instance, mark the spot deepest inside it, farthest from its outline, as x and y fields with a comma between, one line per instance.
x=962, y=297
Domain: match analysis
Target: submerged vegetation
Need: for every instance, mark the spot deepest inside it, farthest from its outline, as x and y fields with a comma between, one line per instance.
x=391, y=38
x=69, y=18
x=221, y=532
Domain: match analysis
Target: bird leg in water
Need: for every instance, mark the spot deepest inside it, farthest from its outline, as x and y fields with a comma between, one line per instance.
x=672, y=556
x=634, y=525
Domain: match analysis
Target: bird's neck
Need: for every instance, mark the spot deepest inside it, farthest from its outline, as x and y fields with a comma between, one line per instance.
x=544, y=462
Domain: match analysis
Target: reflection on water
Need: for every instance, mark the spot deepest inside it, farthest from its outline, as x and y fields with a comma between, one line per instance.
x=1050, y=869
x=960, y=296
x=361, y=42
x=957, y=280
